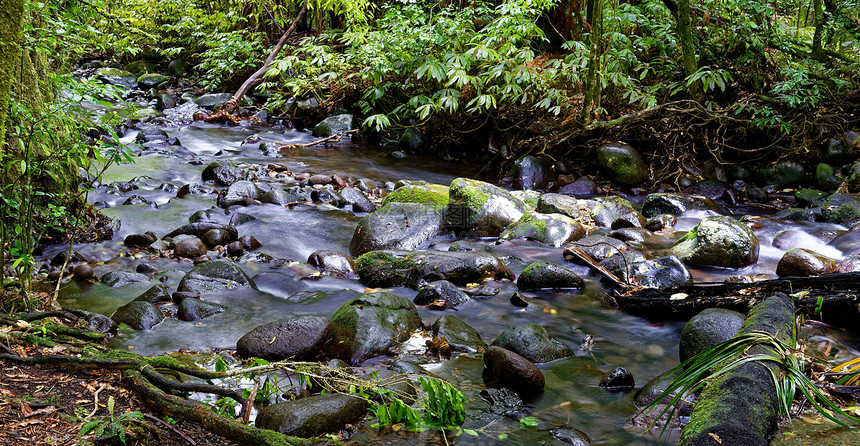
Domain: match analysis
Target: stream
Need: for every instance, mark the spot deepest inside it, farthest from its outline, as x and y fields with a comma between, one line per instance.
x=291, y=233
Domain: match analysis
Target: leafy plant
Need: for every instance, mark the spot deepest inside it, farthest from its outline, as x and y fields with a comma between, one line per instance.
x=849, y=371
x=113, y=426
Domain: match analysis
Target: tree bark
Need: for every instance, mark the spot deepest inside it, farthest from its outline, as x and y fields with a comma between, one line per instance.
x=255, y=78
x=593, y=82
x=11, y=19
x=819, y=20
x=688, y=48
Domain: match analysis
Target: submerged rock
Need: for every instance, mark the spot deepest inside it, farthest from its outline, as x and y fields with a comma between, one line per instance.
x=598, y=247
x=313, y=416
x=215, y=275
x=195, y=309
x=396, y=226
x=441, y=292
x=532, y=342
x=707, y=329
x=571, y=436
x=718, y=241
x=298, y=338
x=408, y=268
x=458, y=334
x=552, y=229
x=622, y=163
x=503, y=402
x=539, y=275
x=508, y=369
x=139, y=315
x=120, y=278
x=804, y=262
x=370, y=325
x=481, y=208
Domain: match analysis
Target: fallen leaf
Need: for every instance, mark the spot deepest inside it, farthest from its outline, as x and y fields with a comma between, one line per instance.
x=715, y=437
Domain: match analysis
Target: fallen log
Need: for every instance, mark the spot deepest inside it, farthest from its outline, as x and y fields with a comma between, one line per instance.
x=741, y=407
x=834, y=298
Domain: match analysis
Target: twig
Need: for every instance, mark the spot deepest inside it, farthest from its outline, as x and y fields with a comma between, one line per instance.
x=166, y=424
x=332, y=138
x=250, y=404
x=95, y=402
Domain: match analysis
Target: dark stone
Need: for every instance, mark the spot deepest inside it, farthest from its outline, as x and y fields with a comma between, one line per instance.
x=239, y=218
x=458, y=334
x=195, y=309
x=216, y=237
x=200, y=228
x=358, y=201
x=408, y=268
x=250, y=243
x=562, y=204
x=154, y=295
x=139, y=315
x=711, y=188
x=313, y=416
x=396, y=226
x=539, y=275
x=215, y=275
x=334, y=125
x=782, y=174
x=178, y=68
x=804, y=262
x=661, y=222
x=120, y=78
x=235, y=249
x=718, y=241
x=191, y=247
x=83, y=273
x=583, y=186
x=618, y=380
x=140, y=240
x=707, y=329
x=503, y=402
x=152, y=80
x=100, y=323
x=179, y=296
x=654, y=389
x=120, y=278
x=319, y=179
x=622, y=163
x=757, y=195
x=213, y=100
x=508, y=369
x=664, y=272
x=139, y=67
x=676, y=204
x=531, y=173
x=464, y=246
x=617, y=213
x=370, y=325
x=240, y=193
x=519, y=301
x=327, y=195
x=299, y=339
x=145, y=268
x=60, y=258
x=598, y=247
x=572, y=436
x=334, y=262
x=532, y=342
x=441, y=292
x=411, y=139
x=623, y=264
x=635, y=235
x=279, y=196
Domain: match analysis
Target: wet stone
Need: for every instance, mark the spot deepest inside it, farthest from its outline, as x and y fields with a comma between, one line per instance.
x=138, y=315
x=804, y=262
x=216, y=237
x=663, y=272
x=297, y=338
x=661, y=222
x=541, y=275
x=571, y=436
x=191, y=247
x=441, y=293
x=503, y=402
x=707, y=329
x=508, y=369
x=121, y=278
x=154, y=295
x=532, y=342
x=458, y=334
x=618, y=380
x=313, y=416
x=582, y=187
x=598, y=247
x=358, y=201
x=195, y=309
x=83, y=273
x=333, y=262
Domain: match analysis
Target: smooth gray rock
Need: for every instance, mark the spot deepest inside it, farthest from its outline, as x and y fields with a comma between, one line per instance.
x=718, y=241
x=333, y=262
x=191, y=247
x=215, y=275
x=508, y=369
x=298, y=338
x=533, y=342
x=154, y=295
x=312, y=416
x=195, y=309
x=139, y=315
x=397, y=226
x=212, y=100
x=458, y=334
x=408, y=268
x=540, y=275
x=707, y=329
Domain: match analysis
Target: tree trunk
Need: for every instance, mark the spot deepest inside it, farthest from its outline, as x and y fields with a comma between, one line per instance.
x=688, y=48
x=11, y=16
x=819, y=20
x=593, y=81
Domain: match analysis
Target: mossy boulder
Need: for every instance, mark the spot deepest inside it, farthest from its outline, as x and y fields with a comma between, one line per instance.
x=178, y=68
x=431, y=195
x=622, y=163
x=296, y=338
x=213, y=100
x=481, y=209
x=139, y=315
x=369, y=325
x=718, y=241
x=334, y=125
x=120, y=78
x=707, y=329
x=552, y=229
x=529, y=197
x=408, y=268
x=841, y=208
x=313, y=416
x=540, y=275
x=533, y=342
x=458, y=334
x=676, y=204
x=804, y=262
x=782, y=174
x=140, y=67
x=147, y=81
x=215, y=275
x=397, y=226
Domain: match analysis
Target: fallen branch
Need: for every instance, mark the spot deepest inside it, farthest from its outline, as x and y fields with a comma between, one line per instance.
x=333, y=138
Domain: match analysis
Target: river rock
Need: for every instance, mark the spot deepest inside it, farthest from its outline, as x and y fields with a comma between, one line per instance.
x=178, y=67
x=154, y=295
x=441, y=292
x=216, y=237
x=222, y=172
x=319, y=179
x=120, y=78
x=627, y=235
x=481, y=208
x=676, y=204
x=782, y=174
x=531, y=173
x=850, y=264
x=279, y=196
x=370, y=325
x=83, y=273
x=598, y=247
x=138, y=315
x=582, y=187
x=529, y=197
x=841, y=208
x=139, y=67
x=396, y=226
x=327, y=194
x=571, y=436
x=334, y=125
x=622, y=163
x=618, y=380
x=408, y=268
x=532, y=342
x=503, y=402
x=195, y=309
x=189, y=247
x=359, y=202
x=213, y=100
x=240, y=193
x=660, y=222
x=804, y=262
x=654, y=388
x=99, y=323
x=121, y=278
x=623, y=264
x=333, y=262
x=718, y=241
x=297, y=338
x=617, y=213
x=147, y=81
x=563, y=204
x=664, y=272
x=458, y=334
x=140, y=240
x=552, y=229
x=540, y=275
x=60, y=258
x=508, y=369
x=313, y=416
x=707, y=329
x=432, y=195
x=200, y=228
x=215, y=275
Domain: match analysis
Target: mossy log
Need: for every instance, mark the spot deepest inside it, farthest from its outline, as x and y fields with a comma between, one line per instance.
x=833, y=298
x=741, y=407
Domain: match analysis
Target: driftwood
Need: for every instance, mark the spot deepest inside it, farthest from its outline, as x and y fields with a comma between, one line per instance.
x=834, y=298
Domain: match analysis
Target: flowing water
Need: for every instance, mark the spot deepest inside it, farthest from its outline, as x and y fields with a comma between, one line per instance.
x=572, y=396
